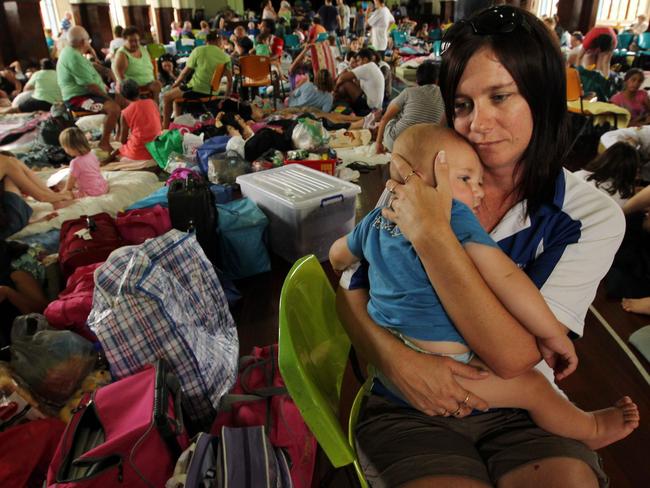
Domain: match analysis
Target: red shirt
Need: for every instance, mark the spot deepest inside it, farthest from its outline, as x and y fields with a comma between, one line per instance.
x=597, y=32
x=143, y=119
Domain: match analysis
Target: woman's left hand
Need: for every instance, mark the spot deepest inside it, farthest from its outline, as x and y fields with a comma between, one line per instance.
x=415, y=206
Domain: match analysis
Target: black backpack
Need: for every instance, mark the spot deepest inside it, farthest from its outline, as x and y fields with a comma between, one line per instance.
x=59, y=120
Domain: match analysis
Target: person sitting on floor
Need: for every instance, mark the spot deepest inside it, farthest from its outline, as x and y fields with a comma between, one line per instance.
x=82, y=87
x=317, y=94
x=10, y=86
x=140, y=123
x=362, y=87
x=85, y=178
x=133, y=61
x=44, y=89
x=634, y=98
x=203, y=61
x=415, y=105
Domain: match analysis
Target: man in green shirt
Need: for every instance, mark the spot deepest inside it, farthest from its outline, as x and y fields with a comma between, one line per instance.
x=132, y=61
x=81, y=86
x=203, y=61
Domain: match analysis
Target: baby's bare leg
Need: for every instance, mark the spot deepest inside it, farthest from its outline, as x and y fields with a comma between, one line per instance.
x=553, y=412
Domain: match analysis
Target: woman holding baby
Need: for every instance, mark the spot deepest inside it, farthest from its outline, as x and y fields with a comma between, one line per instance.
x=503, y=82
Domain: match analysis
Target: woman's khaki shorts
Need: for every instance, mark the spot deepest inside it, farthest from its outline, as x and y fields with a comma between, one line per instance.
x=397, y=444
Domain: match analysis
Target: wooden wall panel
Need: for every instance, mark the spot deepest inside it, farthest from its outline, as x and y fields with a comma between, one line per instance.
x=163, y=17
x=95, y=18
x=22, y=31
x=138, y=17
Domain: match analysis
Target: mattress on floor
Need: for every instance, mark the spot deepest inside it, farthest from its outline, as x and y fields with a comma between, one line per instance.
x=125, y=189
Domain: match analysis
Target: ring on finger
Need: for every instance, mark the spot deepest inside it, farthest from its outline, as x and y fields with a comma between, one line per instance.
x=408, y=176
x=456, y=412
x=392, y=189
x=466, y=399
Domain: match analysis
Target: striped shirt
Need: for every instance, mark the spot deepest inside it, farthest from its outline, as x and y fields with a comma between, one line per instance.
x=418, y=105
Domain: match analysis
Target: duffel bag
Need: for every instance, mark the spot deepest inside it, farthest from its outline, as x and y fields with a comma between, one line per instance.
x=87, y=240
x=138, y=225
x=128, y=433
x=163, y=299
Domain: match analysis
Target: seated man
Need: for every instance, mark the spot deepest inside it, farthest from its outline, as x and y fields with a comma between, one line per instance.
x=82, y=87
x=132, y=61
x=203, y=60
x=362, y=87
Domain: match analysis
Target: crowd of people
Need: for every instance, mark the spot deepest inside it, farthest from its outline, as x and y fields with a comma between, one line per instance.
x=434, y=277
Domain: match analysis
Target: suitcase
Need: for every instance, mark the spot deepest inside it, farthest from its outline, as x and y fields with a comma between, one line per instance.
x=192, y=208
x=87, y=240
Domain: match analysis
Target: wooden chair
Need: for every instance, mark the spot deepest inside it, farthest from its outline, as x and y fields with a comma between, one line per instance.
x=255, y=72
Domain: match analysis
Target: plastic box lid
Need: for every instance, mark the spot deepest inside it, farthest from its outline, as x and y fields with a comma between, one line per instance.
x=299, y=186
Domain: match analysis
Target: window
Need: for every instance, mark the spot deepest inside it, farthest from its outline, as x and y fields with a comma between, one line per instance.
x=546, y=8
x=620, y=12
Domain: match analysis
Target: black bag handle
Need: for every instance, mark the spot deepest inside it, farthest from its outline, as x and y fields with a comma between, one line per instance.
x=167, y=384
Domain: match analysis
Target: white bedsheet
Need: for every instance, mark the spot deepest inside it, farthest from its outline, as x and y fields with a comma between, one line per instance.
x=366, y=154
x=125, y=188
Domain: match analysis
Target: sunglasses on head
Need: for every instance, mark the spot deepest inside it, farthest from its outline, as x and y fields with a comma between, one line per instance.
x=502, y=19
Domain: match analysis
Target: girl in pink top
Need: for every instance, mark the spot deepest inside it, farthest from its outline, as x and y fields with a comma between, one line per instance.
x=633, y=98
x=85, y=178
x=140, y=123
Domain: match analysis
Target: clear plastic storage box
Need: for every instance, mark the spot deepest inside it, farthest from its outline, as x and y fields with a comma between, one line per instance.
x=307, y=209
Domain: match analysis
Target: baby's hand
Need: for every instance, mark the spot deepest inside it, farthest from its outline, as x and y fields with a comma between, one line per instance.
x=559, y=354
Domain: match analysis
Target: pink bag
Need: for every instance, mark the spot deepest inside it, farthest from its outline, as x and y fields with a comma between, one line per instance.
x=71, y=309
x=258, y=387
x=138, y=225
x=128, y=433
x=26, y=452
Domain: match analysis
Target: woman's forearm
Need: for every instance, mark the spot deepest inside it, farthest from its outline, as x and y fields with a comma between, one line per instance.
x=374, y=343
x=490, y=330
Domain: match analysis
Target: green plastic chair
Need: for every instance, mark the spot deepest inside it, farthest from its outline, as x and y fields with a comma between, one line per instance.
x=313, y=353
x=156, y=50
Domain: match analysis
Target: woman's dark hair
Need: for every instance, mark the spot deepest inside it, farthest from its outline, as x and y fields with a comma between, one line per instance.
x=246, y=44
x=533, y=59
x=634, y=71
x=130, y=31
x=427, y=73
x=367, y=53
x=164, y=77
x=46, y=63
x=118, y=30
x=615, y=170
x=130, y=90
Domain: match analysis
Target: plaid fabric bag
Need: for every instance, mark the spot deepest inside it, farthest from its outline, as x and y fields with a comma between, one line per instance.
x=163, y=299
x=322, y=58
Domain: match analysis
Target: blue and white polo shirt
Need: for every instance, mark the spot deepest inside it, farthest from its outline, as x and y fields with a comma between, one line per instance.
x=566, y=248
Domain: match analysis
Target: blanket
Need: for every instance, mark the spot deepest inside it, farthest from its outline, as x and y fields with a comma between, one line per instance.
x=125, y=189
x=12, y=126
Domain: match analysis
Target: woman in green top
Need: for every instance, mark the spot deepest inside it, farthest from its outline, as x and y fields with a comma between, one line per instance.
x=132, y=61
x=44, y=87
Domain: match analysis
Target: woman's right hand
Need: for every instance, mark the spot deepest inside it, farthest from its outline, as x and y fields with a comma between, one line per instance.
x=419, y=210
x=428, y=383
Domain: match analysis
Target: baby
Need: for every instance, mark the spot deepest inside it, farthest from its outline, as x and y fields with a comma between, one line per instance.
x=403, y=300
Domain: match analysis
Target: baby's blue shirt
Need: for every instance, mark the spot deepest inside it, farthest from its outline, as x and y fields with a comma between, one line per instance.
x=401, y=296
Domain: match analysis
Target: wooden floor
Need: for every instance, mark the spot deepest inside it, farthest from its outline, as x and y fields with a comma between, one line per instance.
x=605, y=373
